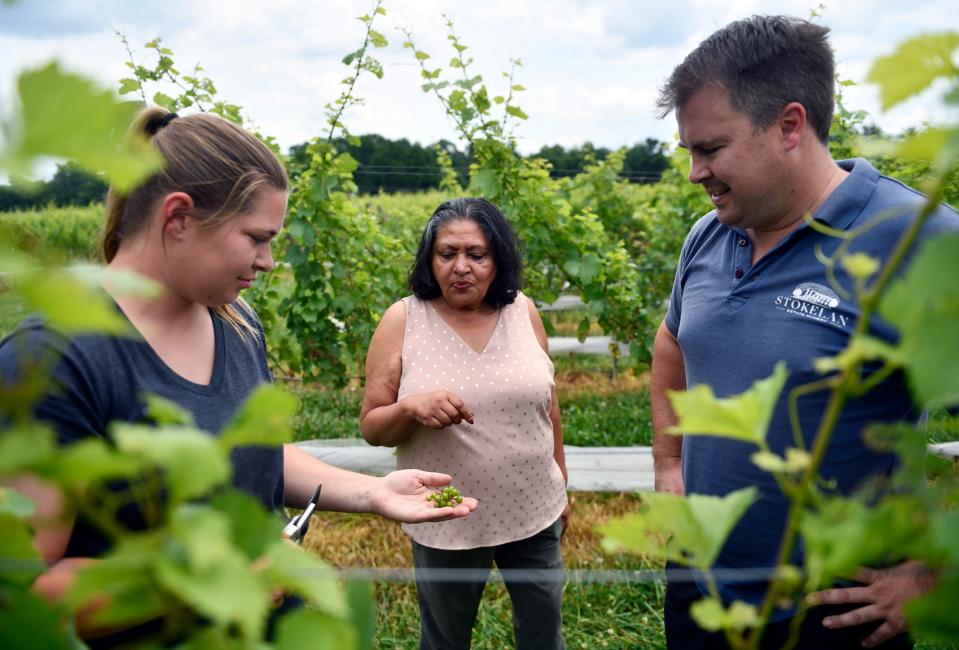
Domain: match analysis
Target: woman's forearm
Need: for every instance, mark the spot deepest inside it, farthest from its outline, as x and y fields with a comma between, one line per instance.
x=343, y=490
x=388, y=425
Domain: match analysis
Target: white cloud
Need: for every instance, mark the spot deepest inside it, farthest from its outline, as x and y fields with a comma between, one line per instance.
x=592, y=67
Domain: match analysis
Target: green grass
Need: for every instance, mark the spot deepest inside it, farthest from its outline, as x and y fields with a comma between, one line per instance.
x=610, y=420
x=589, y=420
x=595, y=615
x=942, y=426
x=12, y=311
x=575, y=362
x=617, y=614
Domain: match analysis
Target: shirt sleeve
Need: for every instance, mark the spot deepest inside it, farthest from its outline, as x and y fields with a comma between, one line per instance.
x=675, y=308
x=68, y=401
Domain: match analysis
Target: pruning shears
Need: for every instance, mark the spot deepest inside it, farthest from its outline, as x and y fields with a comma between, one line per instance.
x=296, y=528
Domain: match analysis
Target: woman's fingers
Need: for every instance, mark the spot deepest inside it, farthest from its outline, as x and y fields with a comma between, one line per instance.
x=461, y=409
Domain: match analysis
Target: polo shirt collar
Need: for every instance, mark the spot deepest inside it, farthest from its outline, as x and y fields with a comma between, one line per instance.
x=846, y=202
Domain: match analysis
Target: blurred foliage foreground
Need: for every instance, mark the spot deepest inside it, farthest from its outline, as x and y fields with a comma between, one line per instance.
x=213, y=560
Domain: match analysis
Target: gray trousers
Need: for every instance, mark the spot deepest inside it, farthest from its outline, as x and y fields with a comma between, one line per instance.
x=449, y=585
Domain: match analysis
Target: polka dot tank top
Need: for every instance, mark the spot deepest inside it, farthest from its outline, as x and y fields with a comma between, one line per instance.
x=505, y=458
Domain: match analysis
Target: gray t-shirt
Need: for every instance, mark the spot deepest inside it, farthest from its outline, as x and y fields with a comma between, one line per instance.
x=100, y=379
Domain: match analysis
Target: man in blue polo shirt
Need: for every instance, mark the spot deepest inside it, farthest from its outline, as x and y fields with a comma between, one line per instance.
x=754, y=105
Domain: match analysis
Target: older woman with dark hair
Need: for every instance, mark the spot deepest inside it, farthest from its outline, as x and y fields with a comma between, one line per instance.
x=459, y=379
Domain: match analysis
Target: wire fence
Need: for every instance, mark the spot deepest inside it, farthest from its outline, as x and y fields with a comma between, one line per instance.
x=13, y=566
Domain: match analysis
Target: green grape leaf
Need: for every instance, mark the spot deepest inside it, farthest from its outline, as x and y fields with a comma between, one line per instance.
x=860, y=266
x=487, y=183
x=121, y=282
x=743, y=417
x=861, y=348
x=572, y=265
x=945, y=533
x=20, y=563
x=163, y=411
x=202, y=534
x=266, y=418
x=915, y=64
x=308, y=629
x=377, y=39
x=796, y=461
x=845, y=534
x=226, y=590
x=289, y=567
x=92, y=132
x=24, y=448
x=128, y=86
x=924, y=306
x=92, y=460
x=253, y=528
x=217, y=638
x=27, y=621
x=688, y=530
x=929, y=144
x=125, y=576
x=932, y=617
x=582, y=330
x=517, y=112
x=14, y=503
x=164, y=100
x=589, y=270
x=710, y=615
x=359, y=596
x=179, y=452
x=70, y=305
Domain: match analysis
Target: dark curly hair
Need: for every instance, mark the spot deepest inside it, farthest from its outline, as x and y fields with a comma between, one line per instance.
x=503, y=243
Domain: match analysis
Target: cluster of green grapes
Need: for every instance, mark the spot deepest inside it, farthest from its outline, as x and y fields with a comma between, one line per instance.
x=448, y=496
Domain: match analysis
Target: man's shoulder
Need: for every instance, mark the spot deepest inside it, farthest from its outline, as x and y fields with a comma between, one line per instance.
x=893, y=204
x=894, y=209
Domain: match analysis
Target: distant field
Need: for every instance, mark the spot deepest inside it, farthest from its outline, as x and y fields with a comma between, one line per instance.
x=72, y=233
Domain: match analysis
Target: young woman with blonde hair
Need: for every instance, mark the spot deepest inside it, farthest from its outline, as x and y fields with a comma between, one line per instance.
x=201, y=228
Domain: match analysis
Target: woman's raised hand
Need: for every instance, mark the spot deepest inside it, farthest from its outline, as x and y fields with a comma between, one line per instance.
x=437, y=410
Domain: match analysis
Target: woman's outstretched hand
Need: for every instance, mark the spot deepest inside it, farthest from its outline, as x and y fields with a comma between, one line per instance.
x=401, y=495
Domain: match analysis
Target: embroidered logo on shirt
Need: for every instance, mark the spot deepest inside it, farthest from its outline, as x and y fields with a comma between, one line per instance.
x=813, y=301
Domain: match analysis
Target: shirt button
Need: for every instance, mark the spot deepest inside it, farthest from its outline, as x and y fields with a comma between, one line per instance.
x=742, y=241
x=739, y=273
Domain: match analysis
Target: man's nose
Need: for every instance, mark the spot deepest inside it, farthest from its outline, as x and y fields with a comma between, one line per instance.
x=698, y=170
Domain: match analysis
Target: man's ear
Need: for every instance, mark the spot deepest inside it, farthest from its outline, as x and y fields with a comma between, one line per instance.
x=792, y=124
x=175, y=209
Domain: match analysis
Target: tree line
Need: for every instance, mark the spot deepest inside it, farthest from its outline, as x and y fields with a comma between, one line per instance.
x=385, y=165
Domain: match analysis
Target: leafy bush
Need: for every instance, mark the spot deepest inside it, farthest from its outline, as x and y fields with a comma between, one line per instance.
x=57, y=234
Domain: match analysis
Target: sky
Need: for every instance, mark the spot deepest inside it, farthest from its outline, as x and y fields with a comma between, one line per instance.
x=591, y=67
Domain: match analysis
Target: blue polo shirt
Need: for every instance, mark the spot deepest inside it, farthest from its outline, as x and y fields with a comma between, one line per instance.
x=734, y=321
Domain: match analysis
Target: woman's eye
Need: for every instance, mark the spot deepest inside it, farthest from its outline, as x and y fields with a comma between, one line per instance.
x=478, y=258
